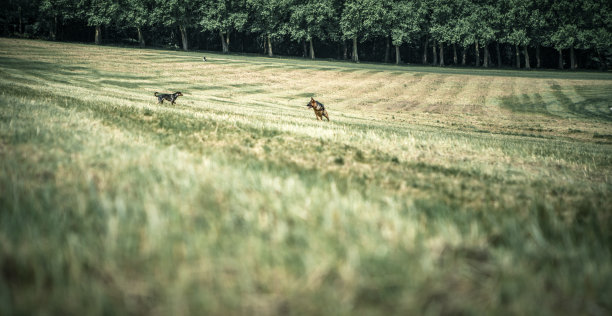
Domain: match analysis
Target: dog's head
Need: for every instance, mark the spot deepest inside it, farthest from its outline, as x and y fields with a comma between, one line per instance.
x=178, y=94
x=311, y=104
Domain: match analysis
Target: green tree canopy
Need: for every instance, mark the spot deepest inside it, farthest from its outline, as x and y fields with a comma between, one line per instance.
x=311, y=19
x=362, y=20
x=270, y=19
x=223, y=16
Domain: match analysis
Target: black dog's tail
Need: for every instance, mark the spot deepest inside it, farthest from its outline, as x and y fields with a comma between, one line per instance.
x=155, y=94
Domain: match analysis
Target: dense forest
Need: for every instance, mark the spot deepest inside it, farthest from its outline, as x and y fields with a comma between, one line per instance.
x=566, y=34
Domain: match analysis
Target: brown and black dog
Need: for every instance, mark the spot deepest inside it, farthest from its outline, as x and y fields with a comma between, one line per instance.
x=170, y=97
x=318, y=108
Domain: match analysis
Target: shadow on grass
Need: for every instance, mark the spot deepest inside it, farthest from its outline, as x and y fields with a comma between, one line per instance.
x=203, y=88
x=30, y=65
x=123, y=84
x=69, y=74
x=304, y=95
x=595, y=104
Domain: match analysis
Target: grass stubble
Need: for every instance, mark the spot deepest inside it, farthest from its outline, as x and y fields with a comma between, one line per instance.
x=432, y=191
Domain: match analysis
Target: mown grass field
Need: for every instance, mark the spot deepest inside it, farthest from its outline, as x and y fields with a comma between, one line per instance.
x=431, y=191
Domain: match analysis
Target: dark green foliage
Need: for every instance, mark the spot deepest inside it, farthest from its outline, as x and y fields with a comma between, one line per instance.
x=98, y=12
x=312, y=20
x=223, y=17
x=580, y=29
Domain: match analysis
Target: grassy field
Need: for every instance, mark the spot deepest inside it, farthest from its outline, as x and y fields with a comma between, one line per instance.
x=431, y=191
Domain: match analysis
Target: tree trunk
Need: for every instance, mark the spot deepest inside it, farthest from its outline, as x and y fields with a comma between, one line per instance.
x=499, y=60
x=355, y=56
x=526, y=52
x=398, y=58
x=20, y=27
x=53, y=29
x=141, y=40
x=425, y=50
x=464, y=56
x=98, y=36
x=573, y=63
x=539, y=61
x=518, y=57
x=312, y=52
x=223, y=42
x=603, y=66
x=374, y=48
x=434, y=50
x=441, y=54
x=6, y=26
x=560, y=58
x=454, y=54
x=227, y=40
x=345, y=49
x=270, y=53
x=387, y=50
x=486, y=56
x=477, y=54
x=183, y=30
x=304, y=49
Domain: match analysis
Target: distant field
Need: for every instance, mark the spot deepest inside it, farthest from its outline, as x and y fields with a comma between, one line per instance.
x=431, y=191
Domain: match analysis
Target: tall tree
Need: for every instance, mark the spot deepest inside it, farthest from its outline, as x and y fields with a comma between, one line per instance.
x=333, y=30
x=388, y=20
x=539, y=27
x=361, y=20
x=568, y=17
x=223, y=17
x=597, y=34
x=405, y=23
x=484, y=16
x=98, y=13
x=524, y=25
x=458, y=29
x=443, y=24
x=463, y=30
x=136, y=14
x=424, y=9
x=516, y=19
x=311, y=19
x=15, y=14
x=55, y=11
x=269, y=18
x=176, y=13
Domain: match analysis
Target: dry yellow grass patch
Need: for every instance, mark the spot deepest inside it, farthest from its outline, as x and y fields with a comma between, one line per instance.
x=466, y=102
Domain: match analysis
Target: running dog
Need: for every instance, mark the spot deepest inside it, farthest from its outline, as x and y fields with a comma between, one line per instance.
x=169, y=97
x=318, y=108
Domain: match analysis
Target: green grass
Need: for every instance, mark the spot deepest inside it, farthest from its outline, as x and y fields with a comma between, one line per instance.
x=431, y=191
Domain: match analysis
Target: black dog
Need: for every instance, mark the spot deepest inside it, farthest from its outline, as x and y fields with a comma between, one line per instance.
x=169, y=97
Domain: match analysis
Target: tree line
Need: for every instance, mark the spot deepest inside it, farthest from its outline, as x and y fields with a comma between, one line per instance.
x=482, y=33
